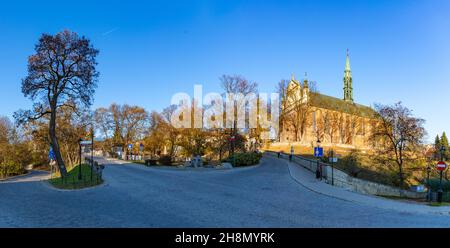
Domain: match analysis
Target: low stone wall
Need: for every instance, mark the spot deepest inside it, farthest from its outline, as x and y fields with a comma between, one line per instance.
x=343, y=180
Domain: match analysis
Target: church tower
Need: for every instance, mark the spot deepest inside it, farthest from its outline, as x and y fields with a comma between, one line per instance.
x=348, y=81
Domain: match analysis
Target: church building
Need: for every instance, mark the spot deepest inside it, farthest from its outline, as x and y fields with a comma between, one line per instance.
x=308, y=117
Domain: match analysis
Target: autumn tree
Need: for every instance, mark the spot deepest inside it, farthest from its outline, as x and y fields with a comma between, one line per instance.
x=61, y=73
x=171, y=134
x=194, y=141
x=121, y=124
x=15, y=150
x=398, y=135
x=154, y=141
x=71, y=127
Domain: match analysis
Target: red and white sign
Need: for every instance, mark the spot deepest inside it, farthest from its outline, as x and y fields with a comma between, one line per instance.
x=441, y=166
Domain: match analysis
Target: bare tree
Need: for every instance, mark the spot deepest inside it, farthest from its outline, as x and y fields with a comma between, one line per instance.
x=331, y=125
x=104, y=122
x=282, y=90
x=126, y=123
x=237, y=85
x=171, y=133
x=298, y=111
x=397, y=135
x=61, y=74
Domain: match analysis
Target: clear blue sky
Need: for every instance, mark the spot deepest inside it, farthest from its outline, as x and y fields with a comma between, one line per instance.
x=400, y=50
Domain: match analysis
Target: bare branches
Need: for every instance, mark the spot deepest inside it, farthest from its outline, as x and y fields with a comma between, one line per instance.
x=397, y=135
x=61, y=74
x=238, y=84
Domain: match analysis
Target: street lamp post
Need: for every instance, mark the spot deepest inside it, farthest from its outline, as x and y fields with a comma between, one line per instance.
x=92, y=150
x=428, y=183
x=291, y=155
x=233, y=139
x=79, y=169
x=332, y=167
x=440, y=191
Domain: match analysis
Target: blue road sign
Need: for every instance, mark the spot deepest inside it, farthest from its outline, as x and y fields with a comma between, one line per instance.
x=141, y=147
x=51, y=154
x=318, y=152
x=130, y=146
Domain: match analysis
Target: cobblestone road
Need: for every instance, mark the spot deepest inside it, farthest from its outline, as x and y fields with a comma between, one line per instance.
x=136, y=196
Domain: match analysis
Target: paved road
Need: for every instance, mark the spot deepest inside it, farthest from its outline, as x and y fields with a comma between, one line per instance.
x=136, y=196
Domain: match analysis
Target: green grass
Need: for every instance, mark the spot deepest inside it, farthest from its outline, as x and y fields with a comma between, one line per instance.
x=72, y=182
x=437, y=204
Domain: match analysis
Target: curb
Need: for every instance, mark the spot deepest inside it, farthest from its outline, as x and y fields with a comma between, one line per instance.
x=15, y=177
x=430, y=211
x=47, y=184
x=241, y=168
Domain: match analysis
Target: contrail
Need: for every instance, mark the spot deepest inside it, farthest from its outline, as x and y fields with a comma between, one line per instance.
x=110, y=31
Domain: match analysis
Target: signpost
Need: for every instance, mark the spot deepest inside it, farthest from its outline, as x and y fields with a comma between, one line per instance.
x=52, y=158
x=130, y=150
x=85, y=142
x=233, y=140
x=333, y=159
x=441, y=166
x=318, y=152
x=141, y=148
x=51, y=154
x=80, y=143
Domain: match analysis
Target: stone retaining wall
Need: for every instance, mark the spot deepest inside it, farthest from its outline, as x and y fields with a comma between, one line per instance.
x=343, y=180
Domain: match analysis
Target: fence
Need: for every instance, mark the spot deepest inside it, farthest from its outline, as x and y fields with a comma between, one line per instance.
x=343, y=180
x=95, y=166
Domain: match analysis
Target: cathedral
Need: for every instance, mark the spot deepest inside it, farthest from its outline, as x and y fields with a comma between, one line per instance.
x=308, y=117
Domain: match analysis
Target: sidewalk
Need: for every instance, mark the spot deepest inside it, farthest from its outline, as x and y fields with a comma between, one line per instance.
x=308, y=180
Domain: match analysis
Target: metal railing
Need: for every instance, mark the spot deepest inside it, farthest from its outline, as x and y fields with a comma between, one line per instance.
x=95, y=167
x=310, y=164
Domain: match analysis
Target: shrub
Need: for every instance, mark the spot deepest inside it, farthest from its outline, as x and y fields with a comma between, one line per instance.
x=10, y=169
x=245, y=159
x=434, y=184
x=165, y=160
x=360, y=166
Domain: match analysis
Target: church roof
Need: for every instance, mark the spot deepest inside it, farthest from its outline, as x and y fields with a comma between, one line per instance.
x=336, y=104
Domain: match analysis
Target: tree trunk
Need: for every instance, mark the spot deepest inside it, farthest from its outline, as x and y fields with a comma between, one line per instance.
x=400, y=169
x=55, y=144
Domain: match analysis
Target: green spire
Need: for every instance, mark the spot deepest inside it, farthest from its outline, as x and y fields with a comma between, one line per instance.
x=348, y=81
x=347, y=63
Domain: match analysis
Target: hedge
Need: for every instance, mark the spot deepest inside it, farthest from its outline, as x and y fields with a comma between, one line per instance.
x=244, y=159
